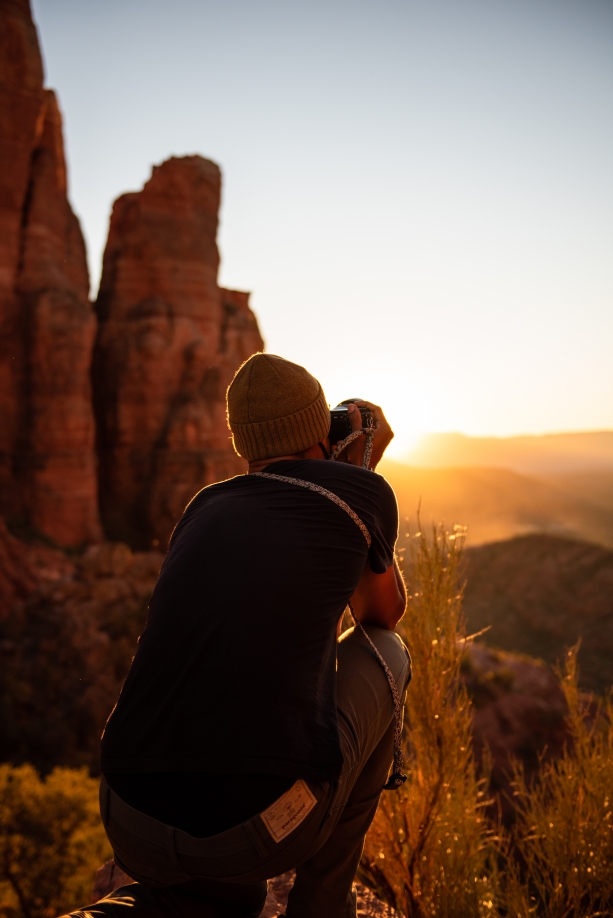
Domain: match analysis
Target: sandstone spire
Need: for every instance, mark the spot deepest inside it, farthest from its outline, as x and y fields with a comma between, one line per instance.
x=168, y=345
x=47, y=326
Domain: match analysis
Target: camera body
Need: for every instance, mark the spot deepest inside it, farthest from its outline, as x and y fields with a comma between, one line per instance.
x=340, y=425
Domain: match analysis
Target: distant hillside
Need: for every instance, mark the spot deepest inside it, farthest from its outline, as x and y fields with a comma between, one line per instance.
x=595, y=486
x=495, y=504
x=565, y=452
x=540, y=594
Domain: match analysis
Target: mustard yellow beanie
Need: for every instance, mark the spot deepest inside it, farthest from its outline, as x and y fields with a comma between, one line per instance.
x=275, y=408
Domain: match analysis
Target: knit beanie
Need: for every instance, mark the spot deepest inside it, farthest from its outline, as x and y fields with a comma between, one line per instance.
x=275, y=408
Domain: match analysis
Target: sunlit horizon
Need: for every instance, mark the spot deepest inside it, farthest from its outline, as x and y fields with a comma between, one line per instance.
x=419, y=196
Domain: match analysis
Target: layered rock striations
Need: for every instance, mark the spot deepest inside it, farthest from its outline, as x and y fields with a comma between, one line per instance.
x=169, y=339
x=168, y=344
x=56, y=466
x=47, y=325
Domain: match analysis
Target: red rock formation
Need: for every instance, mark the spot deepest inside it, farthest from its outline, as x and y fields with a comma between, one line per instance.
x=21, y=94
x=170, y=339
x=47, y=461
x=169, y=342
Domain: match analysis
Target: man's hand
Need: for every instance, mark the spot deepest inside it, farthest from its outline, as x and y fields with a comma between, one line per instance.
x=383, y=435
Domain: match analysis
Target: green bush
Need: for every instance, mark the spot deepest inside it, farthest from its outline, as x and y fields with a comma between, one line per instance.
x=51, y=841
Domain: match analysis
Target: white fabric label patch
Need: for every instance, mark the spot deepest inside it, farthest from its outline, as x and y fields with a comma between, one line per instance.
x=289, y=810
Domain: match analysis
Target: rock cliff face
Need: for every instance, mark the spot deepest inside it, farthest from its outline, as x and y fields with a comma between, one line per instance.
x=169, y=340
x=47, y=326
x=168, y=344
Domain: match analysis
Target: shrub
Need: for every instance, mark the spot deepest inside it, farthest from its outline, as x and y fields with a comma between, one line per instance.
x=64, y=654
x=560, y=854
x=429, y=850
x=51, y=841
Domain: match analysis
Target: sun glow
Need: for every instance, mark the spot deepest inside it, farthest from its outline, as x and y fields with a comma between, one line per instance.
x=388, y=390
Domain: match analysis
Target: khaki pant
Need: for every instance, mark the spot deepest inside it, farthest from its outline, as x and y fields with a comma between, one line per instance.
x=224, y=876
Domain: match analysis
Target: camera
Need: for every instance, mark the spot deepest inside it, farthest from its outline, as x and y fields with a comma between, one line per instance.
x=340, y=425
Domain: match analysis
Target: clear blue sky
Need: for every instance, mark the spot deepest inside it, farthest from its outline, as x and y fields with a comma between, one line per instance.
x=419, y=194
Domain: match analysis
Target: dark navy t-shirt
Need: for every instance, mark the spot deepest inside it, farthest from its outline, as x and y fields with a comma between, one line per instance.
x=235, y=672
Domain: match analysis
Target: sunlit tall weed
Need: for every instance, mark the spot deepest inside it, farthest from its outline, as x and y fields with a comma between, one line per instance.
x=429, y=850
x=560, y=854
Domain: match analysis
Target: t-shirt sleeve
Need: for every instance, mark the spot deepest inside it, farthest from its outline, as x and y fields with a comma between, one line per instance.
x=385, y=531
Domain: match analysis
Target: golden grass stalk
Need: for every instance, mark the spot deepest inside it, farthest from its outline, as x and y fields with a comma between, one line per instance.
x=429, y=850
x=560, y=853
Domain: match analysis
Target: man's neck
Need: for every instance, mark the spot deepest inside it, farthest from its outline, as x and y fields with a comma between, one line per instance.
x=318, y=451
x=259, y=464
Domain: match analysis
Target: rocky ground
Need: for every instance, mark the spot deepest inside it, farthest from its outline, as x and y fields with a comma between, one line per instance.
x=110, y=877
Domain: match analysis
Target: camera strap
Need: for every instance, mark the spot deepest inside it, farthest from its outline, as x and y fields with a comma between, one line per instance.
x=397, y=778
x=368, y=432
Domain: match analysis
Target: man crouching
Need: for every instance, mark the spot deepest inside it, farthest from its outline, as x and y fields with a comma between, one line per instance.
x=248, y=740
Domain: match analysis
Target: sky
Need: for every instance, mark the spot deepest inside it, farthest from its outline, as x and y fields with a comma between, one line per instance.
x=418, y=193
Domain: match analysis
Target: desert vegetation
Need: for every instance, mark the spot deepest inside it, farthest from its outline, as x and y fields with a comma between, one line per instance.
x=430, y=850
x=437, y=847
x=64, y=653
x=559, y=856
x=51, y=840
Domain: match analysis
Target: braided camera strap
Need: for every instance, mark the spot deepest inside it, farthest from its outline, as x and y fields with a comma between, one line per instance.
x=368, y=432
x=397, y=778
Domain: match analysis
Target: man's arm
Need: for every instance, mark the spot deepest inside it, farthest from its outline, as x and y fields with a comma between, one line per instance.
x=380, y=599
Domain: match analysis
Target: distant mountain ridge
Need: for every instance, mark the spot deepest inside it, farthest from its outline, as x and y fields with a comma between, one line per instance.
x=496, y=503
x=531, y=455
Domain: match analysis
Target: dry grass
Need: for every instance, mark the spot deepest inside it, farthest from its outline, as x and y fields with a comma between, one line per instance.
x=429, y=849
x=563, y=838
